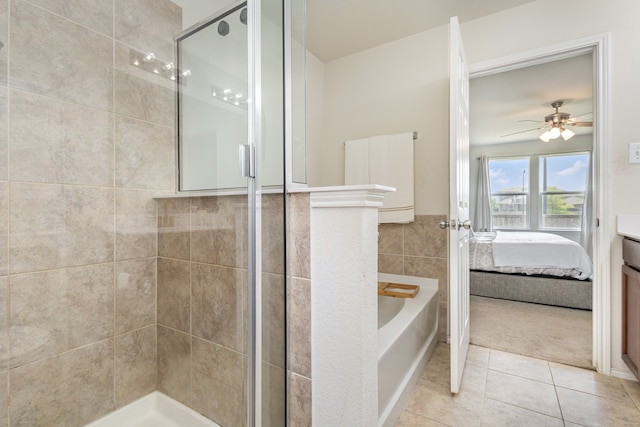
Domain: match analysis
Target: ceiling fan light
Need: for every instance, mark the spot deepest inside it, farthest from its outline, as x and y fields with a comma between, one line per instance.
x=546, y=137
x=554, y=132
x=567, y=134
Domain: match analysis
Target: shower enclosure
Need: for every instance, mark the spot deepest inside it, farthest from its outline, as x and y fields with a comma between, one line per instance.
x=231, y=73
x=112, y=287
x=222, y=103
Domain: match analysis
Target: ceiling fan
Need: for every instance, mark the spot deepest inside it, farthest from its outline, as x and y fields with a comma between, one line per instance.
x=556, y=124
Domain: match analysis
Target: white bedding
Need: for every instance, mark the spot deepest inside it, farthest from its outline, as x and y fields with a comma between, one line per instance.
x=529, y=253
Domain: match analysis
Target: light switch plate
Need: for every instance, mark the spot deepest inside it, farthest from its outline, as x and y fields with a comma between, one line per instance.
x=634, y=152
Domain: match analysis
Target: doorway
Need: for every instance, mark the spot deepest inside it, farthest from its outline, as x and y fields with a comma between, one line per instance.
x=595, y=47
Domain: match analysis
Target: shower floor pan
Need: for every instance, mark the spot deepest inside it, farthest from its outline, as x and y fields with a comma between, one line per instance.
x=154, y=410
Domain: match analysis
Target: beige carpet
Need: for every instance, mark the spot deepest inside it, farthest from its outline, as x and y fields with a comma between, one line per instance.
x=555, y=334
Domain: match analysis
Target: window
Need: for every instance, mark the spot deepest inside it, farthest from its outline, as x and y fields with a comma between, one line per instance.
x=538, y=192
x=563, y=182
x=509, y=186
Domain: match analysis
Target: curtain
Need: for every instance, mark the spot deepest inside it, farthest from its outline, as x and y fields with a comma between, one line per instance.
x=482, y=214
x=586, y=231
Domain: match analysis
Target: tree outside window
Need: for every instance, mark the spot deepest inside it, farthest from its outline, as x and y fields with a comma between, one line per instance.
x=558, y=199
x=509, y=185
x=563, y=183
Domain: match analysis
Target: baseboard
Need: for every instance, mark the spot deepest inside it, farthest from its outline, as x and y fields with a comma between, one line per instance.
x=623, y=373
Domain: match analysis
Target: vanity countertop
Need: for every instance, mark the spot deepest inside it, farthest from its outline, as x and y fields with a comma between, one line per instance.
x=629, y=226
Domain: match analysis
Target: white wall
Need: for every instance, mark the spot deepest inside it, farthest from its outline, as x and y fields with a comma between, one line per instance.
x=344, y=356
x=194, y=11
x=403, y=86
x=397, y=87
x=315, y=119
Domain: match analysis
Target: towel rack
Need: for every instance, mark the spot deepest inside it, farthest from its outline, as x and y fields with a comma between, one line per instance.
x=415, y=136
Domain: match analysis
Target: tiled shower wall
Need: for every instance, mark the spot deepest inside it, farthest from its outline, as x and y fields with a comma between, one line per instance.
x=86, y=141
x=417, y=249
x=202, y=351
x=202, y=306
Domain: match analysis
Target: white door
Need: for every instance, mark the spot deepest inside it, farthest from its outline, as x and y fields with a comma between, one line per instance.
x=458, y=205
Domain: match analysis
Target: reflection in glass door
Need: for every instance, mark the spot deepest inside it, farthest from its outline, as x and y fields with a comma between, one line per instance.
x=230, y=95
x=213, y=102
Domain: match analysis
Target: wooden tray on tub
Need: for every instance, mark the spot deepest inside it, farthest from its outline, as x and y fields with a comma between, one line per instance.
x=397, y=290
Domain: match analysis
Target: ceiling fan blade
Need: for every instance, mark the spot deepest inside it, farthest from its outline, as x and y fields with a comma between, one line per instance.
x=580, y=124
x=580, y=115
x=522, y=131
x=534, y=121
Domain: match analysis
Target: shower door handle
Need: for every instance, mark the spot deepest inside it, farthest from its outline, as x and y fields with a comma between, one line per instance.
x=247, y=154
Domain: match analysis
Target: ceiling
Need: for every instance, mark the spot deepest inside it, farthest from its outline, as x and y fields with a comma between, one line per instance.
x=336, y=28
x=499, y=102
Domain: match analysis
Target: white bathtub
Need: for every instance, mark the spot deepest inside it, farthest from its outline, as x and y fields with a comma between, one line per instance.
x=407, y=329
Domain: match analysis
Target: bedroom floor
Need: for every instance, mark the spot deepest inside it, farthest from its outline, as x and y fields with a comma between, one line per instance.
x=504, y=389
x=555, y=334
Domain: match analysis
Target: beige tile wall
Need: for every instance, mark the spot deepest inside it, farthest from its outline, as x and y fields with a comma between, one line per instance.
x=299, y=310
x=86, y=141
x=417, y=249
x=202, y=305
x=102, y=306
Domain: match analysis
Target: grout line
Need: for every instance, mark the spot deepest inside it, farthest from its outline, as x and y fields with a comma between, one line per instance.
x=8, y=388
x=553, y=380
x=484, y=388
x=113, y=182
x=524, y=409
x=555, y=390
x=156, y=203
x=483, y=404
x=66, y=18
x=520, y=376
x=191, y=370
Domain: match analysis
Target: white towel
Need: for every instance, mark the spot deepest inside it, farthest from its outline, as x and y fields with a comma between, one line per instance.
x=385, y=160
x=357, y=158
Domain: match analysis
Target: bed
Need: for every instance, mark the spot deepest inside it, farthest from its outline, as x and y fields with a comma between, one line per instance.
x=535, y=267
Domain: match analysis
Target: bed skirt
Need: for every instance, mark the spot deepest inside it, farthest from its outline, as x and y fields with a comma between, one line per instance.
x=541, y=290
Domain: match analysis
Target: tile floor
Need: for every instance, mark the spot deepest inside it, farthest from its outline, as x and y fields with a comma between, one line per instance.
x=504, y=389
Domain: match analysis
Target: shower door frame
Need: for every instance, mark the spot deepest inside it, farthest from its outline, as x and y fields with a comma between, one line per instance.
x=254, y=257
x=254, y=217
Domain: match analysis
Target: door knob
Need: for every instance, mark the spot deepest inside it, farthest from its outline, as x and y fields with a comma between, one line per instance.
x=445, y=224
x=455, y=225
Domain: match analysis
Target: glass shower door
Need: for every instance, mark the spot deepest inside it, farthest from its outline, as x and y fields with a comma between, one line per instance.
x=213, y=102
x=230, y=121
